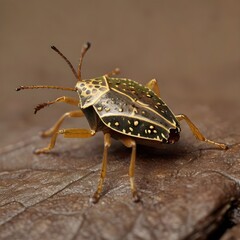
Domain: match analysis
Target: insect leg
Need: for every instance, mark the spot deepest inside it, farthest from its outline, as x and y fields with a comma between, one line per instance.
x=64, y=99
x=130, y=143
x=197, y=133
x=57, y=125
x=77, y=133
x=107, y=144
x=153, y=85
x=54, y=131
x=114, y=72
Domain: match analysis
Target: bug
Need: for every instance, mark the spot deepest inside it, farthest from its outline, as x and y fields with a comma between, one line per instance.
x=122, y=109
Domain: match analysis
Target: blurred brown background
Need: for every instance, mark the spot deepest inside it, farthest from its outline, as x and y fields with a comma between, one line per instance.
x=191, y=47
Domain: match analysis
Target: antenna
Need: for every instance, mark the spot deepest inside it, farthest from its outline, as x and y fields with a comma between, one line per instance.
x=78, y=76
x=85, y=47
x=68, y=62
x=42, y=86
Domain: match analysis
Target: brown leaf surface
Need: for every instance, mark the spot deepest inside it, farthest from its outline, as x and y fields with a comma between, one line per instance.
x=187, y=189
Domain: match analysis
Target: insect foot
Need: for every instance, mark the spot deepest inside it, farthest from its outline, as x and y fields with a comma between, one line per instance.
x=136, y=197
x=41, y=150
x=95, y=198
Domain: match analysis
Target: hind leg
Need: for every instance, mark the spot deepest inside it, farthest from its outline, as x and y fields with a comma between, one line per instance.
x=198, y=134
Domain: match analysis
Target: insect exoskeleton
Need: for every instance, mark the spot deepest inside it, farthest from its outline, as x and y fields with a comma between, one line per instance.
x=128, y=108
x=121, y=108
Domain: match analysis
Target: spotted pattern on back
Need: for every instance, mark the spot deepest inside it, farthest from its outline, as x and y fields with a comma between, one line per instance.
x=136, y=127
x=142, y=95
x=90, y=90
x=120, y=113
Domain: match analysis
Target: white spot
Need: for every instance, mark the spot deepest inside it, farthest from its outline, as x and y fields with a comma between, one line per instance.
x=135, y=123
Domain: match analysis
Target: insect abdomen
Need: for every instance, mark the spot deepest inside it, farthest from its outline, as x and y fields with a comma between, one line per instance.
x=128, y=116
x=136, y=128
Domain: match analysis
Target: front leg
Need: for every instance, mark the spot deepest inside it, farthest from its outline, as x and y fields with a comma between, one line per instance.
x=107, y=144
x=68, y=133
x=68, y=100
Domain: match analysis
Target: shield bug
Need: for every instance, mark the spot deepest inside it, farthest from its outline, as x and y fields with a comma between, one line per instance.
x=122, y=109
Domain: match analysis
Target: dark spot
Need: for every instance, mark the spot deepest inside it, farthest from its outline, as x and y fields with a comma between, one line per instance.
x=102, y=88
x=88, y=92
x=173, y=135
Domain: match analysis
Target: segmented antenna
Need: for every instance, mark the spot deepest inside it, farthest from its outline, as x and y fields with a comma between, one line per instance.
x=77, y=75
x=42, y=86
x=85, y=47
x=65, y=58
